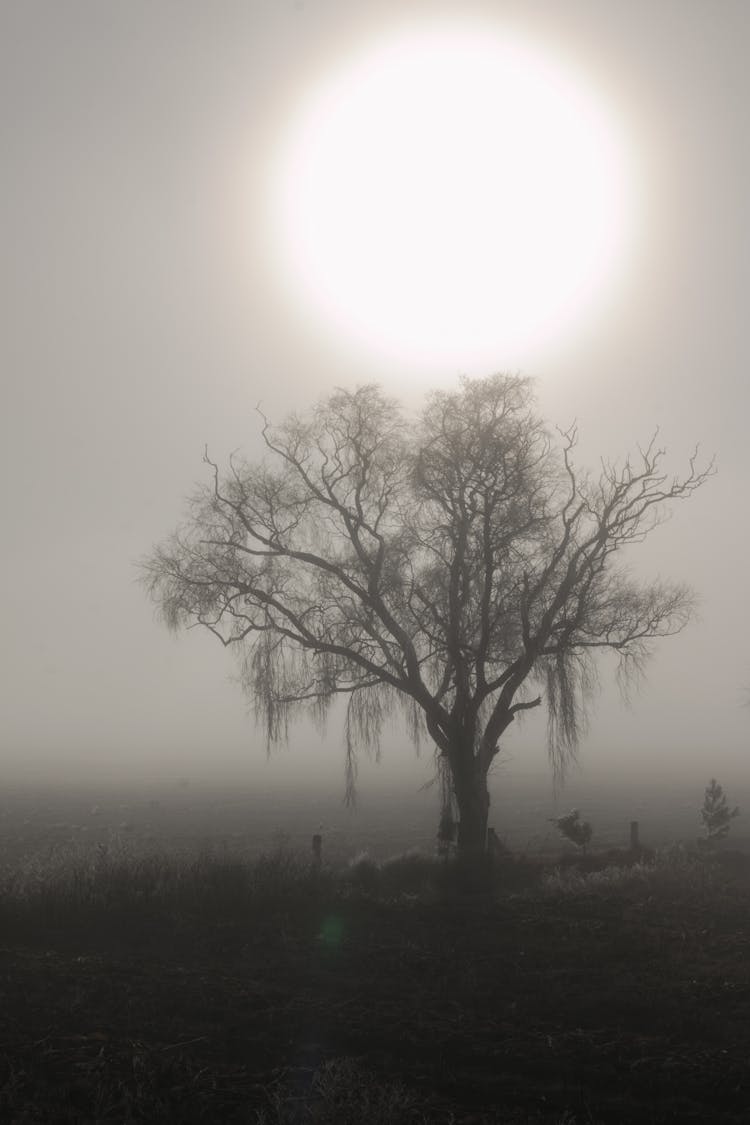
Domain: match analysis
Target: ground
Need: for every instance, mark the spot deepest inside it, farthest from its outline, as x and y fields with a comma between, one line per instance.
x=557, y=998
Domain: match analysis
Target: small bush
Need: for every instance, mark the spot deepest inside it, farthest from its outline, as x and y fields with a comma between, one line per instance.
x=363, y=874
x=578, y=831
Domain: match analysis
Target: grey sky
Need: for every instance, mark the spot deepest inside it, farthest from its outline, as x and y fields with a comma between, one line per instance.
x=139, y=322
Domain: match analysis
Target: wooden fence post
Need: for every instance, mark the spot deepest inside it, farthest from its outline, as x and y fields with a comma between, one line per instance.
x=317, y=849
x=634, y=842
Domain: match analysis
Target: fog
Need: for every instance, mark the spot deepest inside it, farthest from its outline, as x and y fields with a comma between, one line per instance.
x=142, y=320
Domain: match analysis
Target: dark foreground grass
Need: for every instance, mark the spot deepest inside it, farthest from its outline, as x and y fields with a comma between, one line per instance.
x=206, y=989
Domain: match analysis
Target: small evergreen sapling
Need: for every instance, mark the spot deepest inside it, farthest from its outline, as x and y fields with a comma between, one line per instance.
x=716, y=814
x=578, y=831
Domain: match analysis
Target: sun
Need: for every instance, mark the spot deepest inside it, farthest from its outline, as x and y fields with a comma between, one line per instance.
x=453, y=197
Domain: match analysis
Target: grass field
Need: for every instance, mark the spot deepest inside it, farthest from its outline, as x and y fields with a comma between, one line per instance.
x=218, y=983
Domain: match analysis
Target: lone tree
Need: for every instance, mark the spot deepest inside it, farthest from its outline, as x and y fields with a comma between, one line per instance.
x=445, y=564
x=716, y=815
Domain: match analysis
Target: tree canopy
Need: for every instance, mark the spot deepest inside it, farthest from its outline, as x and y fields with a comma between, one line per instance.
x=458, y=564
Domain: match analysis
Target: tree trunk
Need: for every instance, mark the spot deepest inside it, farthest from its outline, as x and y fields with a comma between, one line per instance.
x=473, y=800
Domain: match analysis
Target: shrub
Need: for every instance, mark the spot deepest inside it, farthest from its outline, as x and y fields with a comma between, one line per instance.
x=363, y=874
x=578, y=831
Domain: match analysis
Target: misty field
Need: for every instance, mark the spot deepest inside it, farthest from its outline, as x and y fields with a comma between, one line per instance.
x=174, y=962
x=36, y=821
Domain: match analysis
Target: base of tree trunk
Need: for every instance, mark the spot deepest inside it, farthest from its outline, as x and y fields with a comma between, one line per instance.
x=473, y=873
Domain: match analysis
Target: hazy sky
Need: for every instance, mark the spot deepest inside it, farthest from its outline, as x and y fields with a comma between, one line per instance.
x=142, y=316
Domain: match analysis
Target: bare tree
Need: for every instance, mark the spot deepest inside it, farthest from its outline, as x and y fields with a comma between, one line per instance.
x=443, y=564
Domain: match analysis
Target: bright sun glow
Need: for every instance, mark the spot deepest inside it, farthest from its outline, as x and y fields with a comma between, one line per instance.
x=451, y=196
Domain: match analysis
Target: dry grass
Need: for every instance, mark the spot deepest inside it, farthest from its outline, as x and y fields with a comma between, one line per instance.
x=204, y=987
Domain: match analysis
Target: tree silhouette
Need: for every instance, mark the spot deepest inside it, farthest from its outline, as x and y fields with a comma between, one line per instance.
x=443, y=564
x=716, y=815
